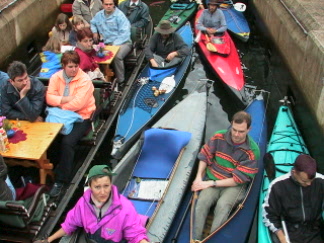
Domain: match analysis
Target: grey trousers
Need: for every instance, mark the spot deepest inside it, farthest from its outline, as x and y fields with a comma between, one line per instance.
x=224, y=198
x=118, y=62
x=162, y=63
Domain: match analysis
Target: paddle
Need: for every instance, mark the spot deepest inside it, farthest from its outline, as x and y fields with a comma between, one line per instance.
x=270, y=169
x=210, y=47
x=192, y=212
x=269, y=166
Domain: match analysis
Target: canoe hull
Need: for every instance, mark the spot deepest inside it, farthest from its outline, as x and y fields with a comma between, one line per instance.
x=226, y=67
x=285, y=144
x=182, y=117
x=142, y=105
x=237, y=227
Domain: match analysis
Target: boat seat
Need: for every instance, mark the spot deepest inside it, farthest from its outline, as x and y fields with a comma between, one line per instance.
x=25, y=217
x=161, y=148
x=104, y=99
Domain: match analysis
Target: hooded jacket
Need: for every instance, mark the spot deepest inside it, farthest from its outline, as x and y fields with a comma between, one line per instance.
x=119, y=222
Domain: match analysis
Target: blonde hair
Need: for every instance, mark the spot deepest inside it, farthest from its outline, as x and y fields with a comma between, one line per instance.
x=77, y=20
x=53, y=44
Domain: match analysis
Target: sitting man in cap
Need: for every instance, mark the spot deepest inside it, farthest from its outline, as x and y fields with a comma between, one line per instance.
x=166, y=48
x=298, y=197
x=212, y=20
x=104, y=214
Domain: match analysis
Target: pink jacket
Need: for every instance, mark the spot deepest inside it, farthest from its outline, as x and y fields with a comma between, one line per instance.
x=121, y=220
x=81, y=87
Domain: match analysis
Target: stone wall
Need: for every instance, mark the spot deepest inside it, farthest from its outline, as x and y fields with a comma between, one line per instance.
x=21, y=20
x=299, y=37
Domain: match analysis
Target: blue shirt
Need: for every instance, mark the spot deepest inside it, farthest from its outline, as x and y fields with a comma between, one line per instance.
x=114, y=28
x=214, y=20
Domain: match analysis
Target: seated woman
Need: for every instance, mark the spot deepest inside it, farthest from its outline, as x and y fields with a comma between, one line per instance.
x=70, y=89
x=62, y=28
x=7, y=191
x=103, y=213
x=51, y=57
x=87, y=53
x=78, y=24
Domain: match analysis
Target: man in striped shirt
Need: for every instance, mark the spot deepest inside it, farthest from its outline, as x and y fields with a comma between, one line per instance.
x=228, y=162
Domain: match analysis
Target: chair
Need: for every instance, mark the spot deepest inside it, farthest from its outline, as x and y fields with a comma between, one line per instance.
x=105, y=99
x=22, y=220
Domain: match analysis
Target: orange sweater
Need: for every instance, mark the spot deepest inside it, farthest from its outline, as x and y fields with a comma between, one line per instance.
x=81, y=87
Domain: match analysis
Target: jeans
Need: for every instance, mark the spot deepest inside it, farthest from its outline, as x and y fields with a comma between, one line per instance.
x=225, y=199
x=67, y=149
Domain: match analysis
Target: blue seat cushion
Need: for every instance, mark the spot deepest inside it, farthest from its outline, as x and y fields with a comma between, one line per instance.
x=159, y=153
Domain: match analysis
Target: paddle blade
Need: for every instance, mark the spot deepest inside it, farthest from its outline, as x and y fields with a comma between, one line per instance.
x=211, y=47
x=241, y=7
x=269, y=166
x=198, y=37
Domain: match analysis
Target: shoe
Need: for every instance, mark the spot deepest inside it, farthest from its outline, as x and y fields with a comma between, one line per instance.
x=56, y=189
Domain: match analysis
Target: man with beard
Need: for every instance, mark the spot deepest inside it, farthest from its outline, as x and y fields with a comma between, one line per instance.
x=166, y=48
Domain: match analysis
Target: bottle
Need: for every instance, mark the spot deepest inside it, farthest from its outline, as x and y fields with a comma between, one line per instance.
x=4, y=142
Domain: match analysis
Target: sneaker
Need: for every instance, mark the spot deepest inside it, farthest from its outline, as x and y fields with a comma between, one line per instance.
x=56, y=189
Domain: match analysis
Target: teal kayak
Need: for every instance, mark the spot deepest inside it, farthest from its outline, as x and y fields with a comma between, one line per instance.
x=285, y=144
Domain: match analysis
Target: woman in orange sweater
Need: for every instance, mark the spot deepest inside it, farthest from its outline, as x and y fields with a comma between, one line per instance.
x=70, y=89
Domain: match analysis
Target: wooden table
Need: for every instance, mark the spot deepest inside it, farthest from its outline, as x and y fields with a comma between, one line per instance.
x=107, y=71
x=33, y=151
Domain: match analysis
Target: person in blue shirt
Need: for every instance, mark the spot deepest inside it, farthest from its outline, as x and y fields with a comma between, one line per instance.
x=114, y=28
x=212, y=20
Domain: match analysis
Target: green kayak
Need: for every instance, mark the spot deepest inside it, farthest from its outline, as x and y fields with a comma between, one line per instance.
x=285, y=144
x=179, y=13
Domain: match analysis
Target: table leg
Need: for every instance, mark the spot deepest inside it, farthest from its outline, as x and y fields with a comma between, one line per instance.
x=46, y=168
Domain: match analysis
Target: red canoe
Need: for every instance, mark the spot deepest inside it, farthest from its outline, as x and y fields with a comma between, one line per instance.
x=226, y=65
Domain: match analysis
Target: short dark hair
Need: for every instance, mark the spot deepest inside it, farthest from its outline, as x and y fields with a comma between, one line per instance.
x=85, y=32
x=305, y=163
x=16, y=69
x=242, y=116
x=70, y=56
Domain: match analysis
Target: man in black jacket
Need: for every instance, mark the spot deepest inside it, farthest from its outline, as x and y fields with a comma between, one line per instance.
x=22, y=97
x=298, y=198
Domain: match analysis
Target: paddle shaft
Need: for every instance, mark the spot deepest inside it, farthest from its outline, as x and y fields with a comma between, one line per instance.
x=284, y=227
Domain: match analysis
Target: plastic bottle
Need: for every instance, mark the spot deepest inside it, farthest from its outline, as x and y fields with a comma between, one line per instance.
x=4, y=142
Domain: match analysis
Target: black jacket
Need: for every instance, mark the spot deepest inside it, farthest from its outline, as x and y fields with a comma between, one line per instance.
x=5, y=192
x=27, y=108
x=300, y=206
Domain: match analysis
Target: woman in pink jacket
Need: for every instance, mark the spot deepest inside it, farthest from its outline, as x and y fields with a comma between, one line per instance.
x=104, y=214
x=70, y=89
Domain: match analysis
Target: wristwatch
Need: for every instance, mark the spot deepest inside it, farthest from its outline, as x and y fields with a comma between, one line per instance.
x=214, y=184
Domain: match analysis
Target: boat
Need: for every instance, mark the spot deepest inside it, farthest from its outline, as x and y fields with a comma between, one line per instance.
x=180, y=13
x=109, y=101
x=237, y=227
x=170, y=176
x=236, y=21
x=286, y=143
x=151, y=91
x=226, y=64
